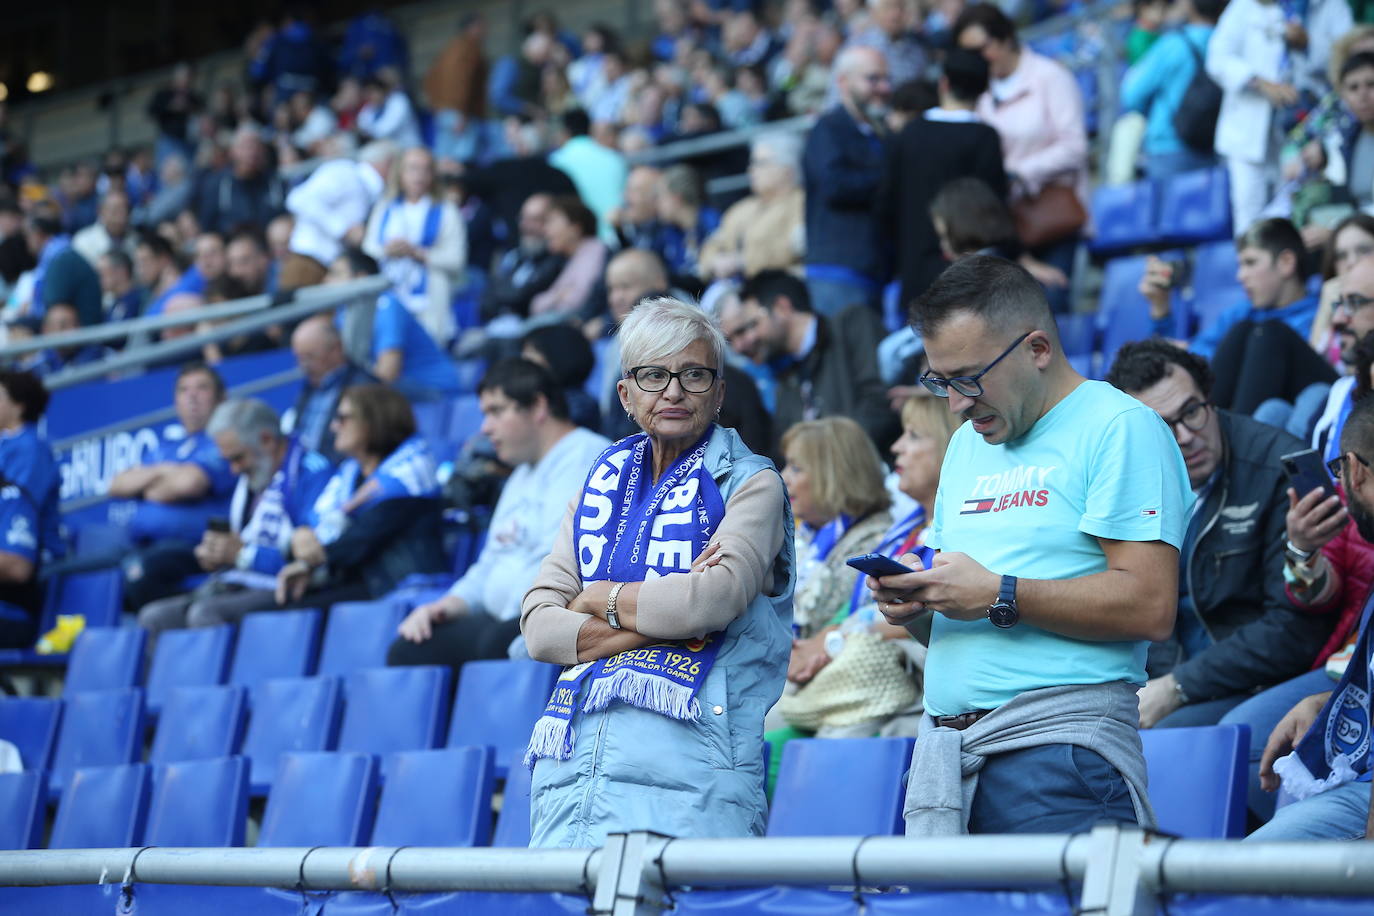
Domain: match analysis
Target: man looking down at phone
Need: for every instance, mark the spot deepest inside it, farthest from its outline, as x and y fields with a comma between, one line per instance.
x=1061, y=508
x=1236, y=629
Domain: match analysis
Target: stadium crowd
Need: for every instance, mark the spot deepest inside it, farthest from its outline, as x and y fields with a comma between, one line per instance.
x=500, y=197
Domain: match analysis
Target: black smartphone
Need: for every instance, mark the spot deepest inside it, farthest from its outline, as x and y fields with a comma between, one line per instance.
x=218, y=525
x=877, y=565
x=1306, y=472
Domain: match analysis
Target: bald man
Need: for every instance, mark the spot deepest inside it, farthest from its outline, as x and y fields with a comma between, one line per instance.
x=847, y=262
x=327, y=372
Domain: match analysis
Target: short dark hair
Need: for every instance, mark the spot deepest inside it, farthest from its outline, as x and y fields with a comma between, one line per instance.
x=1357, y=62
x=26, y=390
x=1143, y=364
x=566, y=350
x=998, y=291
x=994, y=22
x=46, y=218
x=248, y=234
x=159, y=246
x=359, y=263
x=1276, y=235
x=523, y=381
x=571, y=206
x=914, y=97
x=576, y=122
x=194, y=367
x=385, y=413
x=120, y=258
x=1358, y=434
x=966, y=73
x=767, y=286
x=974, y=216
x=1209, y=10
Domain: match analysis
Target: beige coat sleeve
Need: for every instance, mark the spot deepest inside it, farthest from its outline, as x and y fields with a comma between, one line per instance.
x=678, y=606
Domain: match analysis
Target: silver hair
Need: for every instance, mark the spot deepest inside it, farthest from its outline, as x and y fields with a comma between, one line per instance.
x=378, y=152
x=848, y=59
x=786, y=148
x=662, y=326
x=247, y=418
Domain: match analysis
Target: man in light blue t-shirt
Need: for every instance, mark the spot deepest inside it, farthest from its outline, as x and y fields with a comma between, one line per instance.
x=1061, y=507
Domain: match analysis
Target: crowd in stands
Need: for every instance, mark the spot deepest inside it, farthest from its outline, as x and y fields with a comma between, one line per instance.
x=500, y=197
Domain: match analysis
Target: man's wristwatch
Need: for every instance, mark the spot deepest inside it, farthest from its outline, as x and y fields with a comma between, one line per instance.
x=612, y=617
x=1296, y=554
x=833, y=644
x=1003, y=612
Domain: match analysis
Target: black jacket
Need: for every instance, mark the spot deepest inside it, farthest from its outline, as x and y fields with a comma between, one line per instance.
x=843, y=166
x=839, y=376
x=1234, y=573
x=387, y=542
x=920, y=160
x=291, y=421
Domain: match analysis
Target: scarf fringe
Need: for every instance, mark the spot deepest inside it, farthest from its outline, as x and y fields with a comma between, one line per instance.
x=647, y=691
x=1299, y=782
x=552, y=737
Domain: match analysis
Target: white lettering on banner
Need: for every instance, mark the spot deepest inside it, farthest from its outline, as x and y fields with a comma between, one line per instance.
x=673, y=518
x=669, y=554
x=596, y=511
x=681, y=497
x=91, y=464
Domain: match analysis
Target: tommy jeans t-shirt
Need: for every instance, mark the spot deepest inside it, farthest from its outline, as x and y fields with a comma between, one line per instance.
x=1099, y=464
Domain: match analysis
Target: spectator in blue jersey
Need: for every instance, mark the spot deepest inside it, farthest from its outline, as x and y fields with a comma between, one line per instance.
x=62, y=275
x=401, y=353
x=165, y=501
x=420, y=241
x=279, y=479
x=370, y=43
x=28, y=506
x=120, y=297
x=294, y=58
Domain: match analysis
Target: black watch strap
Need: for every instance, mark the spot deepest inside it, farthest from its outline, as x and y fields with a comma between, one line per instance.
x=1007, y=594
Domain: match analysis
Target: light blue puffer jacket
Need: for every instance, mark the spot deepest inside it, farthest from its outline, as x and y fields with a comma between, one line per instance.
x=632, y=769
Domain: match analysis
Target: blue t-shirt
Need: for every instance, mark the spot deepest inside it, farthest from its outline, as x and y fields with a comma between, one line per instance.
x=185, y=521
x=1298, y=316
x=1099, y=464
x=28, y=496
x=1157, y=83
x=425, y=369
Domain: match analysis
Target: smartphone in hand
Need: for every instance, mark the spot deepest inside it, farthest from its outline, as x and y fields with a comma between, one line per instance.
x=877, y=565
x=1306, y=472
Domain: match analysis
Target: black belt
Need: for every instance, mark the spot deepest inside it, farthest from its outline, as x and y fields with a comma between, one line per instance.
x=961, y=721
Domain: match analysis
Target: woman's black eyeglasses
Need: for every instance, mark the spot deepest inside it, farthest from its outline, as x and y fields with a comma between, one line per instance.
x=653, y=379
x=967, y=385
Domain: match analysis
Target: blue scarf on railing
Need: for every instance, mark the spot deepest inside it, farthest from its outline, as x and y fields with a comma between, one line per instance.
x=408, y=471
x=627, y=531
x=1335, y=749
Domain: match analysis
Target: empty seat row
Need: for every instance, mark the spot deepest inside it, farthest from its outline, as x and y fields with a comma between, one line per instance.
x=97, y=595
x=1184, y=209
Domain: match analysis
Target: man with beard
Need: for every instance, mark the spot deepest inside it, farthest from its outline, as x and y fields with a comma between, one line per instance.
x=279, y=480
x=1328, y=731
x=846, y=261
x=1351, y=319
x=527, y=269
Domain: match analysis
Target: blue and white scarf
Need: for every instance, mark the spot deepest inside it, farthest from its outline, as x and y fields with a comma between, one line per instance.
x=409, y=278
x=266, y=535
x=862, y=607
x=624, y=531
x=1336, y=749
x=408, y=471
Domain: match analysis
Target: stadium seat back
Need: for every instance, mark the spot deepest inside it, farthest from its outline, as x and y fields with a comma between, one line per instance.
x=465, y=420
x=321, y=799
x=1206, y=799
x=276, y=644
x=432, y=423
x=1124, y=314
x=497, y=704
x=357, y=635
x=105, y=658
x=1124, y=216
x=289, y=715
x=394, y=709
x=513, y=824
x=1215, y=288
x=102, y=807
x=23, y=804
x=196, y=657
x=866, y=802
x=30, y=724
x=98, y=595
x=200, y=723
x=436, y=798
x=1195, y=207
x=99, y=729
x=198, y=803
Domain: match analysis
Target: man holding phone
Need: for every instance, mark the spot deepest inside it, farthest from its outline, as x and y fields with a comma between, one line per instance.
x=1062, y=505
x=1236, y=628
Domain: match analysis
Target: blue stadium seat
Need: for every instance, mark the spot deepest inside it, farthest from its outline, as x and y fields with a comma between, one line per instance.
x=321, y=800
x=96, y=595
x=513, y=826
x=867, y=802
x=394, y=709
x=1207, y=798
x=1086, y=78
x=105, y=658
x=599, y=369
x=30, y=724
x=1195, y=207
x=1124, y=314
x=497, y=704
x=1214, y=288
x=358, y=634
x=289, y=714
x=436, y=798
x=199, y=723
x=103, y=807
x=276, y=644
x=188, y=658
x=199, y=803
x=1078, y=335
x=99, y=729
x=23, y=803
x=1124, y=217
x=466, y=419
x=470, y=372
x=432, y=423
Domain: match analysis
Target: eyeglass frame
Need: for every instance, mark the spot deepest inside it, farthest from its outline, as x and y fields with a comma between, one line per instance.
x=633, y=375
x=1333, y=467
x=1178, y=420
x=1343, y=302
x=939, y=386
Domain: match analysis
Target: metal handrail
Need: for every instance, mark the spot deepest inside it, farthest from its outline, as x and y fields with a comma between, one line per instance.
x=711, y=143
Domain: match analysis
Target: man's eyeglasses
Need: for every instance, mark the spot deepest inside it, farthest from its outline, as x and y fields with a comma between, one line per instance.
x=653, y=379
x=1352, y=302
x=1193, y=416
x=967, y=385
x=1334, y=465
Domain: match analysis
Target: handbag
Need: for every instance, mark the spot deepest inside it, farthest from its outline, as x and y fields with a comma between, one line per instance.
x=869, y=680
x=1050, y=216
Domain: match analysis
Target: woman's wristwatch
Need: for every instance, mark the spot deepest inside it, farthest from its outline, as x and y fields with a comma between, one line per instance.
x=612, y=617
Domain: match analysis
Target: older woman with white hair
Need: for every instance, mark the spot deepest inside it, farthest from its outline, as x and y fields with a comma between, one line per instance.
x=767, y=228
x=668, y=596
